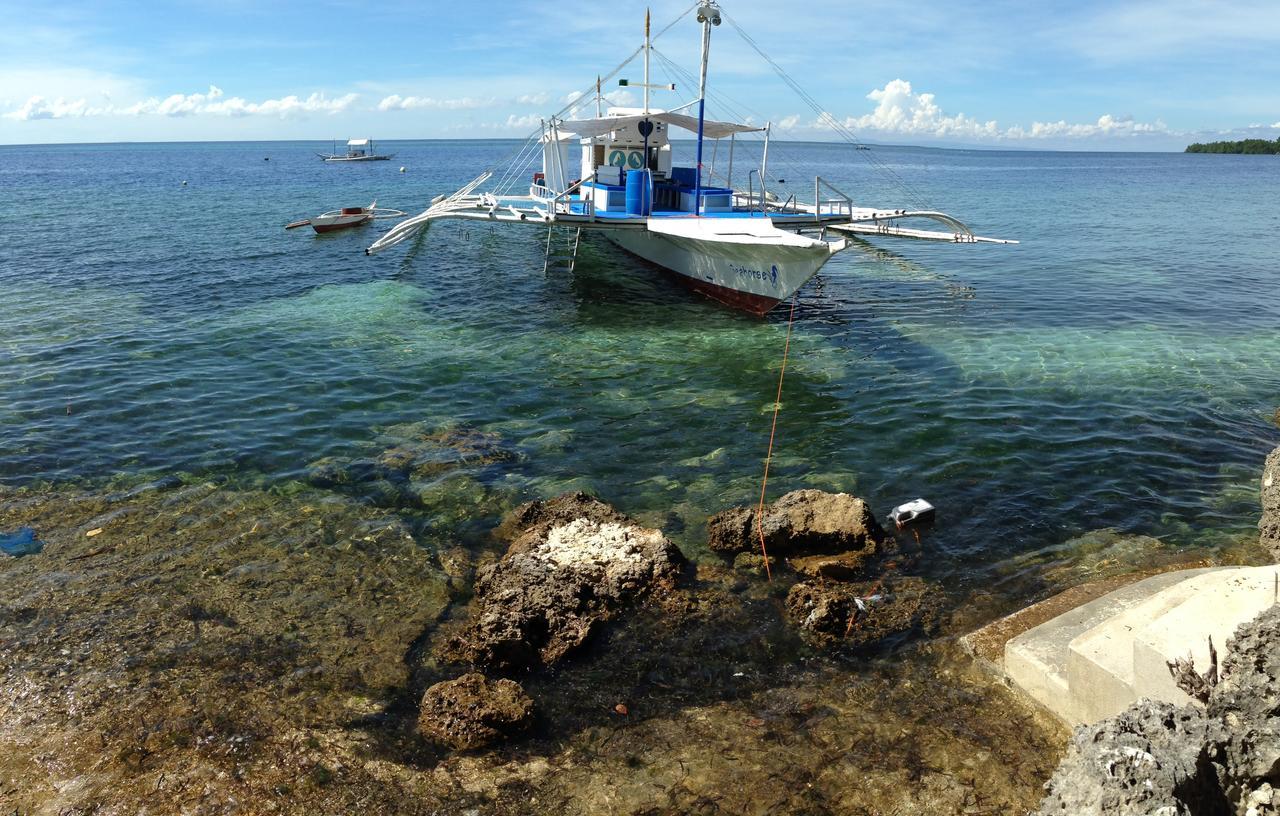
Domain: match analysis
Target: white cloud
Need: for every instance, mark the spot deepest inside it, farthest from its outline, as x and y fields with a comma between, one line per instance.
x=37, y=107
x=788, y=122
x=179, y=105
x=1107, y=125
x=534, y=99
x=900, y=111
x=527, y=122
x=398, y=102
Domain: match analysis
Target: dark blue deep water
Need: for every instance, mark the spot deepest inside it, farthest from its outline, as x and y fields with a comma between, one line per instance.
x=1118, y=368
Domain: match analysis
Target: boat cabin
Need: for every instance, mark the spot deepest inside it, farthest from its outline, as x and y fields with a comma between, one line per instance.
x=358, y=148
x=626, y=168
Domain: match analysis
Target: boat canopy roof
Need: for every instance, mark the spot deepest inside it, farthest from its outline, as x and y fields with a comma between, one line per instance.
x=588, y=128
x=357, y=142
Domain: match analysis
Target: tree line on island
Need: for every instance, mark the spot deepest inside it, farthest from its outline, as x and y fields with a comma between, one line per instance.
x=1253, y=146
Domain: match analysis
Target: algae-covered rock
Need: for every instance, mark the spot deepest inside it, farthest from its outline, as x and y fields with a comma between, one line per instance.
x=865, y=614
x=754, y=562
x=473, y=712
x=830, y=535
x=561, y=577
x=1269, y=526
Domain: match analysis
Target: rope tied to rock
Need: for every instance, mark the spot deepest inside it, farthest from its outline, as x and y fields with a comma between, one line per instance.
x=777, y=405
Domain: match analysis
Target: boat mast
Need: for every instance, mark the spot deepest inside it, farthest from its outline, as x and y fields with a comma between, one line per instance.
x=647, y=47
x=708, y=15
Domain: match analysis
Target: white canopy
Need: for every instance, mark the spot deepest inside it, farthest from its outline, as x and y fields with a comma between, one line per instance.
x=357, y=143
x=588, y=128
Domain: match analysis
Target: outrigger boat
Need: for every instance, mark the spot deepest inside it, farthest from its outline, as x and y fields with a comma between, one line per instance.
x=357, y=150
x=744, y=247
x=346, y=218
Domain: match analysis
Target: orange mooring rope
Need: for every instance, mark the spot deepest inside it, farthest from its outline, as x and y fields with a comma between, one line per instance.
x=777, y=404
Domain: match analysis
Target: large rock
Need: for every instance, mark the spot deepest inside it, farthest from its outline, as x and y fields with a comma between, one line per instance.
x=1269, y=526
x=1246, y=706
x=1157, y=758
x=473, y=712
x=1152, y=758
x=830, y=535
x=862, y=615
x=559, y=580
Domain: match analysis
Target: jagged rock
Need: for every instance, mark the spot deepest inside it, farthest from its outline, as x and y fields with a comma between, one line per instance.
x=561, y=577
x=472, y=711
x=1151, y=758
x=862, y=615
x=1246, y=705
x=1269, y=526
x=838, y=527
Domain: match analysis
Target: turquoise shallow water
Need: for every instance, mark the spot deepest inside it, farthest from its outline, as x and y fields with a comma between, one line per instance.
x=1118, y=368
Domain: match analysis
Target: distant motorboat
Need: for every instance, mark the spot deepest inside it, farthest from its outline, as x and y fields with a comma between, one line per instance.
x=346, y=218
x=357, y=150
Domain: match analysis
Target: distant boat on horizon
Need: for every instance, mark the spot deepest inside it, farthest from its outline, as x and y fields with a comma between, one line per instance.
x=357, y=150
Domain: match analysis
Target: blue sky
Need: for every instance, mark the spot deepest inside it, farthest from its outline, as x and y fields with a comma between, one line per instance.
x=1148, y=75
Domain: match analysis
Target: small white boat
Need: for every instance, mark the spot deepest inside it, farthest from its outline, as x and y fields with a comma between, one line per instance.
x=346, y=218
x=357, y=150
x=742, y=245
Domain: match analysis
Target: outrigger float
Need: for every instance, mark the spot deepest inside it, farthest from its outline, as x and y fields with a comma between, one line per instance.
x=744, y=247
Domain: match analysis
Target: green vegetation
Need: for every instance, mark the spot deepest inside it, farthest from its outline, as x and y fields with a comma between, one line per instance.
x=1244, y=146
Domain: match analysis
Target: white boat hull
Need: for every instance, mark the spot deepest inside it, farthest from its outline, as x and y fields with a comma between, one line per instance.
x=744, y=263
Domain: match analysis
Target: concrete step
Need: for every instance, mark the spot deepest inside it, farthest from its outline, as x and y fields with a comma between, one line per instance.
x=1100, y=660
x=1093, y=661
x=1036, y=660
x=1221, y=604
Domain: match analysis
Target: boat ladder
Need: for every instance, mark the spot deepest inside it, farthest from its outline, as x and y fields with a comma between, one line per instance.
x=561, y=249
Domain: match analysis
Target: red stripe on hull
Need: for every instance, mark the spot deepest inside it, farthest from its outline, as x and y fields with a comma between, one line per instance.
x=746, y=301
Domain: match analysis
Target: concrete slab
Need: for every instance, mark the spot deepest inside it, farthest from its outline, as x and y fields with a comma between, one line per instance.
x=1222, y=602
x=1036, y=660
x=1099, y=660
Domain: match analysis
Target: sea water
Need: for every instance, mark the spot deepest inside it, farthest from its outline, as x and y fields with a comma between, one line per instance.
x=1116, y=369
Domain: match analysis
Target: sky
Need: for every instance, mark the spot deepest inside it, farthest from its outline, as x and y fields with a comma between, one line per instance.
x=1082, y=75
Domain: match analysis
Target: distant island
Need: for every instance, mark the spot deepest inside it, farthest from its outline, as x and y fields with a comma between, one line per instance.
x=1243, y=146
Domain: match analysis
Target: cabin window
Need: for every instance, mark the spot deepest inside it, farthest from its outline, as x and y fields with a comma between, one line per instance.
x=598, y=155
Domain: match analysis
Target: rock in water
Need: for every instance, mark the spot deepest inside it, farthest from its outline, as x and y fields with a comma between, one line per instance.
x=1269, y=526
x=472, y=711
x=862, y=615
x=840, y=527
x=561, y=577
x=1151, y=758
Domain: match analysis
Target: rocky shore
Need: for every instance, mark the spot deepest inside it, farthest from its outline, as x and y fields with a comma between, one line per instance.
x=201, y=647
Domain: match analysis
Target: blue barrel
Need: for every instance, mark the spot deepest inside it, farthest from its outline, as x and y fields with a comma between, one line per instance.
x=639, y=188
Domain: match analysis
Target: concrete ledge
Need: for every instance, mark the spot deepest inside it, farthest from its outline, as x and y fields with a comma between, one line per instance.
x=1094, y=660
x=1037, y=660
